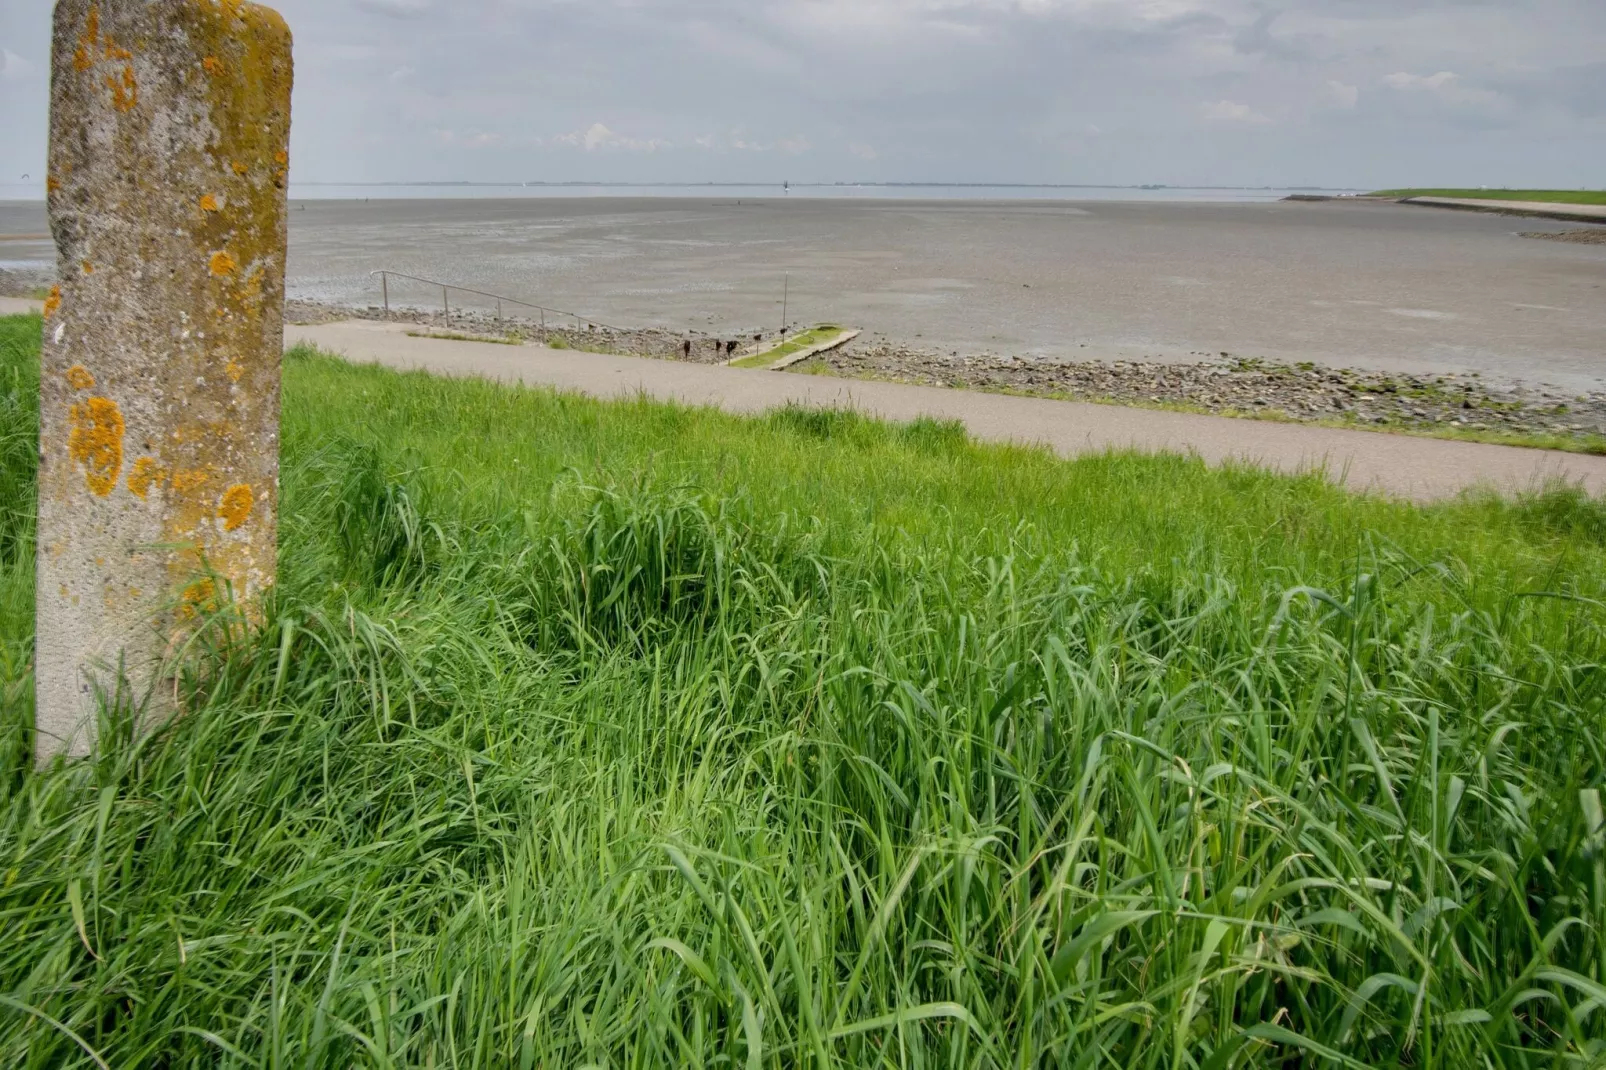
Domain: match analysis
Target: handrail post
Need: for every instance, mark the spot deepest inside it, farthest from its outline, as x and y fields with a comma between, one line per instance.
x=384, y=285
x=446, y=301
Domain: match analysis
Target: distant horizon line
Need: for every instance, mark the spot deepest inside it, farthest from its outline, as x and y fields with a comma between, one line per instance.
x=834, y=185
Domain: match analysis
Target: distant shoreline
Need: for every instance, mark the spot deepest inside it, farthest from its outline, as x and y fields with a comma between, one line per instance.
x=956, y=191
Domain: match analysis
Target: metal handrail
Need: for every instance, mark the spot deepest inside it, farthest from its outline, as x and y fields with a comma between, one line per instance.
x=446, y=303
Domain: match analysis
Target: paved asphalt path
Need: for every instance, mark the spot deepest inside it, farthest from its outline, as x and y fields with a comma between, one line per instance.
x=1416, y=468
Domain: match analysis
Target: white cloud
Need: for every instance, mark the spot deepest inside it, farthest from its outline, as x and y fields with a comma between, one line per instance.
x=1227, y=111
x=13, y=68
x=1447, y=89
x=599, y=136
x=402, y=74
x=863, y=151
x=1407, y=82
x=1345, y=96
x=795, y=146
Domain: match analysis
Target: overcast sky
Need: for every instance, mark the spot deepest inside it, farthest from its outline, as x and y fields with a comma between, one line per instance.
x=1364, y=93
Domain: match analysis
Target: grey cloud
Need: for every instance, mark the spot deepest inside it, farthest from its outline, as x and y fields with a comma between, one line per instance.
x=1176, y=91
x=403, y=8
x=1258, y=39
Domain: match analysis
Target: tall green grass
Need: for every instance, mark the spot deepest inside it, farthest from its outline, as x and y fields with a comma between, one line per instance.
x=19, y=451
x=586, y=734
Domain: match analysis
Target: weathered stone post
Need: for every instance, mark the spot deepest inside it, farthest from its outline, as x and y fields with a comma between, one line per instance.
x=159, y=418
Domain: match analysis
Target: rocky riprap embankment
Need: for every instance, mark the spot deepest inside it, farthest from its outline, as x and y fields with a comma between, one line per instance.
x=594, y=337
x=1596, y=236
x=1298, y=392
x=25, y=282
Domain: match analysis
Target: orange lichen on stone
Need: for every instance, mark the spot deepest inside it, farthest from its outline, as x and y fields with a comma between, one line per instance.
x=235, y=508
x=89, y=269
x=193, y=479
x=282, y=158
x=145, y=474
x=52, y=183
x=198, y=598
x=223, y=264
x=96, y=442
x=78, y=378
x=240, y=168
x=125, y=90
x=53, y=302
x=213, y=65
x=250, y=295
x=208, y=203
x=236, y=372
x=91, y=50
x=84, y=56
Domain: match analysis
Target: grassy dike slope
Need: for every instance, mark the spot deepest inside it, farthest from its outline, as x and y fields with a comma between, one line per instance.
x=631, y=735
x=1541, y=196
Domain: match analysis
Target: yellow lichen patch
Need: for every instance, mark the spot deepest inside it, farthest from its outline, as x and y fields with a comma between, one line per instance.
x=240, y=168
x=282, y=158
x=235, y=508
x=96, y=442
x=52, y=183
x=84, y=55
x=251, y=290
x=145, y=474
x=209, y=203
x=191, y=479
x=89, y=269
x=236, y=372
x=223, y=264
x=78, y=378
x=53, y=302
x=200, y=597
x=213, y=65
x=125, y=90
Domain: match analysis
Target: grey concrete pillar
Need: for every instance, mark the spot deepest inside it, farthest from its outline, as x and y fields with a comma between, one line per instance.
x=159, y=418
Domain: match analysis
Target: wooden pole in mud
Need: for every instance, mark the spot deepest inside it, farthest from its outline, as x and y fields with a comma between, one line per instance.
x=159, y=417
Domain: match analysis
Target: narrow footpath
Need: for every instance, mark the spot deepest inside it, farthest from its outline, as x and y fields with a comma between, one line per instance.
x=1417, y=468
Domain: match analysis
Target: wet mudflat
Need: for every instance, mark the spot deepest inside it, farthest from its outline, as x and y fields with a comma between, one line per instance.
x=1341, y=284
x=1377, y=286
